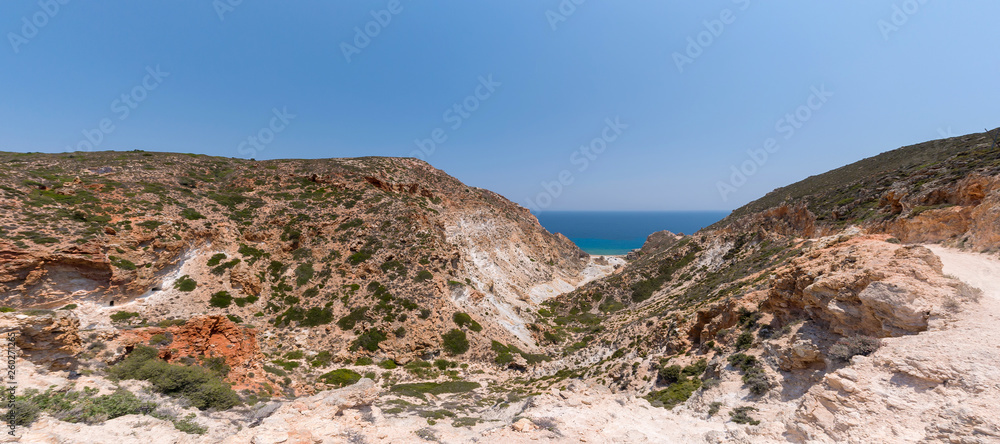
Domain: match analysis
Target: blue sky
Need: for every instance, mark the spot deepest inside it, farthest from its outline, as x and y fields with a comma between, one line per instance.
x=889, y=73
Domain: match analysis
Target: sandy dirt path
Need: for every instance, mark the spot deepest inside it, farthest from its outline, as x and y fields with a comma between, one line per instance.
x=978, y=270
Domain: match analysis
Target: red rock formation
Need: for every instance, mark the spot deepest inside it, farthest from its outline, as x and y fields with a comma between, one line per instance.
x=210, y=337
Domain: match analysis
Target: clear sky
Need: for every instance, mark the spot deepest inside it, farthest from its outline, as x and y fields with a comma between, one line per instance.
x=673, y=116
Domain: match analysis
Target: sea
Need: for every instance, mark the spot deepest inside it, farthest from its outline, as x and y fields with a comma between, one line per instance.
x=618, y=232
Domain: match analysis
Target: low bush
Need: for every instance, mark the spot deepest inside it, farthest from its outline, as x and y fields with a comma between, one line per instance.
x=744, y=341
x=463, y=320
x=123, y=316
x=369, y=340
x=455, y=342
x=220, y=299
x=669, y=375
x=423, y=275
x=201, y=387
x=215, y=259
x=675, y=394
x=185, y=284
x=321, y=359
x=419, y=389
x=78, y=406
x=191, y=214
x=847, y=348
x=340, y=378
x=160, y=339
x=356, y=315
x=741, y=415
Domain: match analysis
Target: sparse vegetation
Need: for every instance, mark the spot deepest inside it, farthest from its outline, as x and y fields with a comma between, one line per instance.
x=741, y=415
x=857, y=345
x=464, y=320
x=340, y=378
x=220, y=299
x=185, y=284
x=201, y=387
x=455, y=342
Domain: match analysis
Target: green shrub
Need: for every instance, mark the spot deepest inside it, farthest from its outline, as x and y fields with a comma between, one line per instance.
x=124, y=264
x=695, y=369
x=669, y=375
x=754, y=376
x=220, y=299
x=364, y=360
x=185, y=284
x=387, y=364
x=316, y=316
x=463, y=319
x=171, y=322
x=150, y=224
x=160, y=339
x=252, y=254
x=423, y=275
x=444, y=364
x=215, y=259
x=217, y=365
x=743, y=361
x=221, y=269
x=858, y=345
x=69, y=307
x=340, y=378
x=321, y=359
x=76, y=406
x=191, y=214
x=123, y=316
x=713, y=408
x=455, y=342
x=303, y=273
x=676, y=393
x=353, y=223
x=7, y=309
x=419, y=389
x=287, y=365
x=234, y=318
x=187, y=425
x=349, y=321
x=642, y=290
x=369, y=340
x=201, y=387
x=744, y=341
x=741, y=415
x=24, y=412
x=359, y=257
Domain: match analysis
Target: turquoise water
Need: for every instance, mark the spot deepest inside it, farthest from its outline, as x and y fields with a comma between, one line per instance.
x=618, y=232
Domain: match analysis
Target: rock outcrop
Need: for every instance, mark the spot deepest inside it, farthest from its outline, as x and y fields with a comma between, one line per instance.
x=862, y=286
x=50, y=340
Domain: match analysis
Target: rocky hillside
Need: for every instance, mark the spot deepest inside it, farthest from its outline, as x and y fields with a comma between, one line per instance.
x=379, y=300
x=752, y=312
x=939, y=191
x=352, y=256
